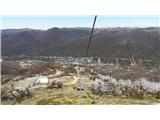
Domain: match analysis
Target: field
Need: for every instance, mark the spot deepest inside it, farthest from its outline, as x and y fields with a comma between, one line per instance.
x=41, y=94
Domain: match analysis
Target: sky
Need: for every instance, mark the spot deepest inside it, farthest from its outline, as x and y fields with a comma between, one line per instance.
x=46, y=22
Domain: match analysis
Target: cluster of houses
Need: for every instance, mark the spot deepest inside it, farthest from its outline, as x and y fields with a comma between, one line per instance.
x=81, y=60
x=73, y=60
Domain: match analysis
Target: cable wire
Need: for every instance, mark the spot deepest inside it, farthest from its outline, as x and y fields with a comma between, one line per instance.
x=90, y=38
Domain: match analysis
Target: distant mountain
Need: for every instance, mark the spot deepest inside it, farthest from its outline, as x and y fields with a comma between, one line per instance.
x=106, y=42
x=18, y=41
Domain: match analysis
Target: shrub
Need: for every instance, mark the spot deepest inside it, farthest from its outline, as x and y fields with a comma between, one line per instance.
x=158, y=95
x=135, y=89
x=59, y=84
x=55, y=84
x=137, y=93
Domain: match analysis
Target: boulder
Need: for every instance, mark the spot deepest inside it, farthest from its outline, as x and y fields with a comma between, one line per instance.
x=55, y=84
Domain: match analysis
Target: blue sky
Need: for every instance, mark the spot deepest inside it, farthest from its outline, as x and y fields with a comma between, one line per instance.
x=45, y=22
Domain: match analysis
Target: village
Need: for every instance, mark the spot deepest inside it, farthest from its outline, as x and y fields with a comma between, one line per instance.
x=70, y=81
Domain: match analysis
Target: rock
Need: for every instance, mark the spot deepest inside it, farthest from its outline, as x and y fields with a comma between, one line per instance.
x=22, y=92
x=55, y=84
x=15, y=94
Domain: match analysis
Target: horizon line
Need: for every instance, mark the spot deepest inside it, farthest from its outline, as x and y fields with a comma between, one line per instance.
x=82, y=27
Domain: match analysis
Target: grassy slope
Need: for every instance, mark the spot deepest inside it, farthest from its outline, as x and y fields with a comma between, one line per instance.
x=69, y=95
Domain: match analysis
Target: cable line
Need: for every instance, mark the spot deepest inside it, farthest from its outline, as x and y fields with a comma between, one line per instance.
x=90, y=38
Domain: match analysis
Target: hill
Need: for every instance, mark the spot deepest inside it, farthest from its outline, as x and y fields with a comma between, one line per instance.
x=106, y=42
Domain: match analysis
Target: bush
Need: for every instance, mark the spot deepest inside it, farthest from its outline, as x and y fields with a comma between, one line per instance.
x=158, y=95
x=55, y=84
x=59, y=84
x=137, y=93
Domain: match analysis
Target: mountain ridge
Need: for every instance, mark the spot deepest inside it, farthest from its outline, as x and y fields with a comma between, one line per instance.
x=106, y=42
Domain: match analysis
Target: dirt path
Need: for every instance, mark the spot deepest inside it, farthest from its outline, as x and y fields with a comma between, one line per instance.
x=73, y=82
